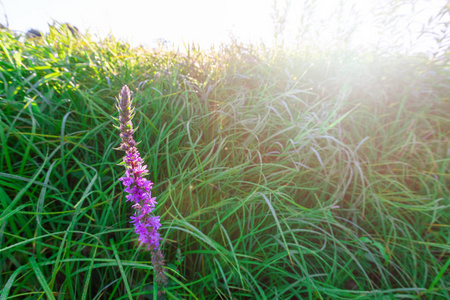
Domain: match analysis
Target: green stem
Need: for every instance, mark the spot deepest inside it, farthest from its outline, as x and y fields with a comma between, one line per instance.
x=155, y=286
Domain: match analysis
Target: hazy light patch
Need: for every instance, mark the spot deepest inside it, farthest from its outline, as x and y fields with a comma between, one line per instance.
x=365, y=24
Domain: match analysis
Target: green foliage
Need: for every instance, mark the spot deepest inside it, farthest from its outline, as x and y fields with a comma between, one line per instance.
x=279, y=174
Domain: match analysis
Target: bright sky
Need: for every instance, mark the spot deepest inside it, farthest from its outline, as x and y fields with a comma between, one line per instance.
x=209, y=21
x=145, y=21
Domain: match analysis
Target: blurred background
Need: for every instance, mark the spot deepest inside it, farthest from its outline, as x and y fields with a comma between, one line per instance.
x=391, y=25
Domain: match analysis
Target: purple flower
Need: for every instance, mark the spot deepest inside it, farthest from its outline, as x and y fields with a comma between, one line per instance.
x=137, y=187
x=127, y=180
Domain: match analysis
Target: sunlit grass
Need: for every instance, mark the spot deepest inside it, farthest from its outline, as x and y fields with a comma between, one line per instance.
x=278, y=174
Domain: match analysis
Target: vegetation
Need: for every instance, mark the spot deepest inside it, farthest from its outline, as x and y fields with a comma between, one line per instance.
x=279, y=174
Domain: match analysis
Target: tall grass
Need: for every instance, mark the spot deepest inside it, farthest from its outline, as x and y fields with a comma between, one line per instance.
x=279, y=174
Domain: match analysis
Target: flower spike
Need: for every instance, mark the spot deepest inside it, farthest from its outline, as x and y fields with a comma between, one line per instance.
x=137, y=187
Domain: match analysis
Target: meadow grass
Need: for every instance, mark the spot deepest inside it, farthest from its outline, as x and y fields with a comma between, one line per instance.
x=279, y=174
